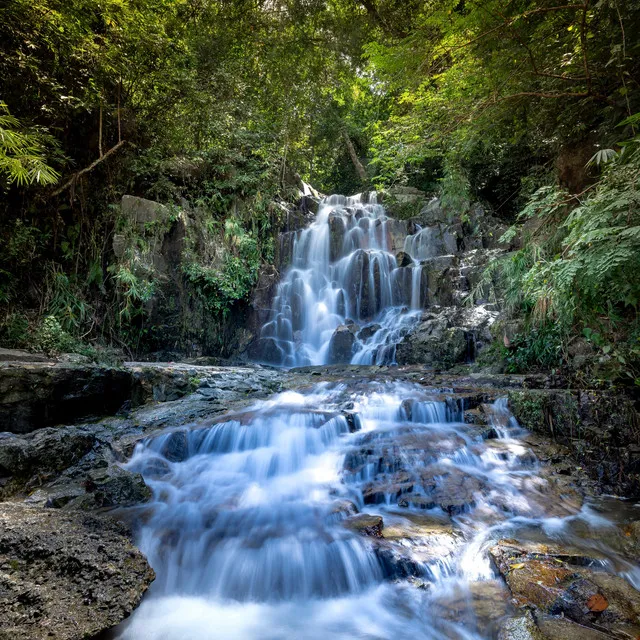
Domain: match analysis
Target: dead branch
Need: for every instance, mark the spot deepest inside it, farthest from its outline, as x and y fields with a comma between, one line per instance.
x=73, y=179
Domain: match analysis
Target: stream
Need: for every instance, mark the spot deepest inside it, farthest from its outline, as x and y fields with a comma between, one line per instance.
x=362, y=508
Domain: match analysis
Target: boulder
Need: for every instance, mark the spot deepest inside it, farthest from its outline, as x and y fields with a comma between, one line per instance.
x=365, y=524
x=447, y=336
x=36, y=395
x=403, y=259
x=65, y=575
x=142, y=211
x=367, y=332
x=431, y=214
x=552, y=585
x=341, y=345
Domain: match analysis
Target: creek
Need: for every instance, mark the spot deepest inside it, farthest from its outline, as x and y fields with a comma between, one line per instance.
x=358, y=508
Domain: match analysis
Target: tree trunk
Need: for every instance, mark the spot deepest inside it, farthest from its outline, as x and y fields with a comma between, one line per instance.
x=360, y=170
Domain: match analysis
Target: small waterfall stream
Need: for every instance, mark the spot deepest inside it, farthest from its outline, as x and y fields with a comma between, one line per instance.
x=256, y=525
x=251, y=527
x=344, y=274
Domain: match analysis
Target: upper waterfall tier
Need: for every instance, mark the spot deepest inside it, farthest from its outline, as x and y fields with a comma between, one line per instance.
x=345, y=274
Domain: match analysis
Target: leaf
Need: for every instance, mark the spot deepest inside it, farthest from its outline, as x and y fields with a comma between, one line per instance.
x=518, y=565
x=597, y=603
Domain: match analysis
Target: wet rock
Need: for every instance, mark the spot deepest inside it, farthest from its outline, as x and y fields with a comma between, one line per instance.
x=586, y=595
x=482, y=604
x=403, y=259
x=114, y=486
x=353, y=420
x=553, y=628
x=341, y=345
x=65, y=575
x=41, y=455
x=176, y=447
x=442, y=336
x=365, y=525
x=522, y=627
x=337, y=230
x=367, y=332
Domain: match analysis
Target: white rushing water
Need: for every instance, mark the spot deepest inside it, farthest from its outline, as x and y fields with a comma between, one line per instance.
x=251, y=527
x=246, y=529
x=343, y=273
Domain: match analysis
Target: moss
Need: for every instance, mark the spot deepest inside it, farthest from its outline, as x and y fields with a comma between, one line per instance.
x=552, y=412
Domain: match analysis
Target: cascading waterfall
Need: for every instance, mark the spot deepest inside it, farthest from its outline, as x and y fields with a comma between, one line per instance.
x=253, y=529
x=342, y=274
x=249, y=528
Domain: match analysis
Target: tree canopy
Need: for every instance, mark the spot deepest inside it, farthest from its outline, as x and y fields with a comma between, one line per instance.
x=215, y=100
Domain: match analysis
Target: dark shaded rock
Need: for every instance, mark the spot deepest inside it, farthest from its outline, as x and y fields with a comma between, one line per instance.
x=36, y=395
x=367, y=332
x=341, y=345
x=65, y=575
x=337, y=230
x=353, y=420
x=17, y=355
x=598, y=427
x=176, y=447
x=114, y=486
x=365, y=525
x=403, y=259
x=42, y=454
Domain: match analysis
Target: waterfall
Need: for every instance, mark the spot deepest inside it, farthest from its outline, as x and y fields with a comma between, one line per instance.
x=250, y=529
x=344, y=298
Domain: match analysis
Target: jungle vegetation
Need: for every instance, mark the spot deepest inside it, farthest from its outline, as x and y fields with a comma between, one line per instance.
x=529, y=106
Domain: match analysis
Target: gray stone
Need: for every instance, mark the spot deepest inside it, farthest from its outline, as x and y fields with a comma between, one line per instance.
x=35, y=395
x=367, y=332
x=142, y=211
x=522, y=627
x=120, y=245
x=17, y=355
x=65, y=575
x=432, y=213
x=341, y=345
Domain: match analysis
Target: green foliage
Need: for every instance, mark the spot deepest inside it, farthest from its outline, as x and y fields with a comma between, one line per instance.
x=580, y=270
x=498, y=90
x=23, y=152
x=539, y=348
x=51, y=338
x=219, y=288
x=134, y=292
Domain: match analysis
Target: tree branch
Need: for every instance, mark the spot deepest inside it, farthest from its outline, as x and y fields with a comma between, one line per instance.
x=583, y=43
x=75, y=176
x=360, y=170
x=508, y=23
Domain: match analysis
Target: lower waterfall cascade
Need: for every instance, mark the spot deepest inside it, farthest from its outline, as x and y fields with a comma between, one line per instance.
x=346, y=297
x=255, y=528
